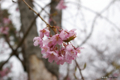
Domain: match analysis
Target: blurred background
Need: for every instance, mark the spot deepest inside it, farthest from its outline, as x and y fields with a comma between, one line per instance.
x=98, y=32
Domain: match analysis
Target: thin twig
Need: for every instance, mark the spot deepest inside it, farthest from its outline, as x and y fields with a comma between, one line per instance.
x=46, y=13
x=79, y=70
x=6, y=39
x=14, y=1
x=2, y=64
x=36, y=13
x=99, y=15
x=93, y=24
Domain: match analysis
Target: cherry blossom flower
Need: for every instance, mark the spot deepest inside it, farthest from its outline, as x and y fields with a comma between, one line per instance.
x=64, y=34
x=51, y=43
x=72, y=33
x=6, y=20
x=4, y=30
x=50, y=19
x=67, y=36
x=61, y=5
x=56, y=39
x=78, y=50
x=17, y=9
x=52, y=56
x=4, y=72
x=38, y=41
x=44, y=32
x=70, y=50
x=68, y=58
x=60, y=60
x=45, y=49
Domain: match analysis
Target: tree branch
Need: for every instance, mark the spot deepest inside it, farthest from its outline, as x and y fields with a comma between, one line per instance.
x=7, y=40
x=79, y=70
x=46, y=13
x=93, y=24
x=36, y=13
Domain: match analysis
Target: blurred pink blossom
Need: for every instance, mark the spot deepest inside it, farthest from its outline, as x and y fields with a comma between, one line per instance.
x=56, y=39
x=44, y=32
x=37, y=41
x=17, y=9
x=4, y=30
x=61, y=5
x=4, y=72
x=50, y=20
x=6, y=20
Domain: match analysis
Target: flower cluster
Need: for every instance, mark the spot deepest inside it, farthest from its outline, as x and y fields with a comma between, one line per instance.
x=58, y=46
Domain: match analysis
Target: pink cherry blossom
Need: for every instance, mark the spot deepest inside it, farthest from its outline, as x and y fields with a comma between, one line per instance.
x=4, y=72
x=4, y=30
x=71, y=51
x=67, y=35
x=78, y=50
x=60, y=60
x=45, y=49
x=46, y=41
x=52, y=56
x=6, y=20
x=64, y=34
x=38, y=41
x=44, y=32
x=17, y=9
x=68, y=58
x=51, y=43
x=62, y=51
x=56, y=39
x=61, y=5
x=50, y=19
x=72, y=33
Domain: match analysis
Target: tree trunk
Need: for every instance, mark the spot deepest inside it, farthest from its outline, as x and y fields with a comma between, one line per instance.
x=36, y=67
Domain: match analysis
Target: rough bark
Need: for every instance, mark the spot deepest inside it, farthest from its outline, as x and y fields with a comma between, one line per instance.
x=37, y=68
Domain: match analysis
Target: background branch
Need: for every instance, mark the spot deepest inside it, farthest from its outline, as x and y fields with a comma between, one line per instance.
x=79, y=70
